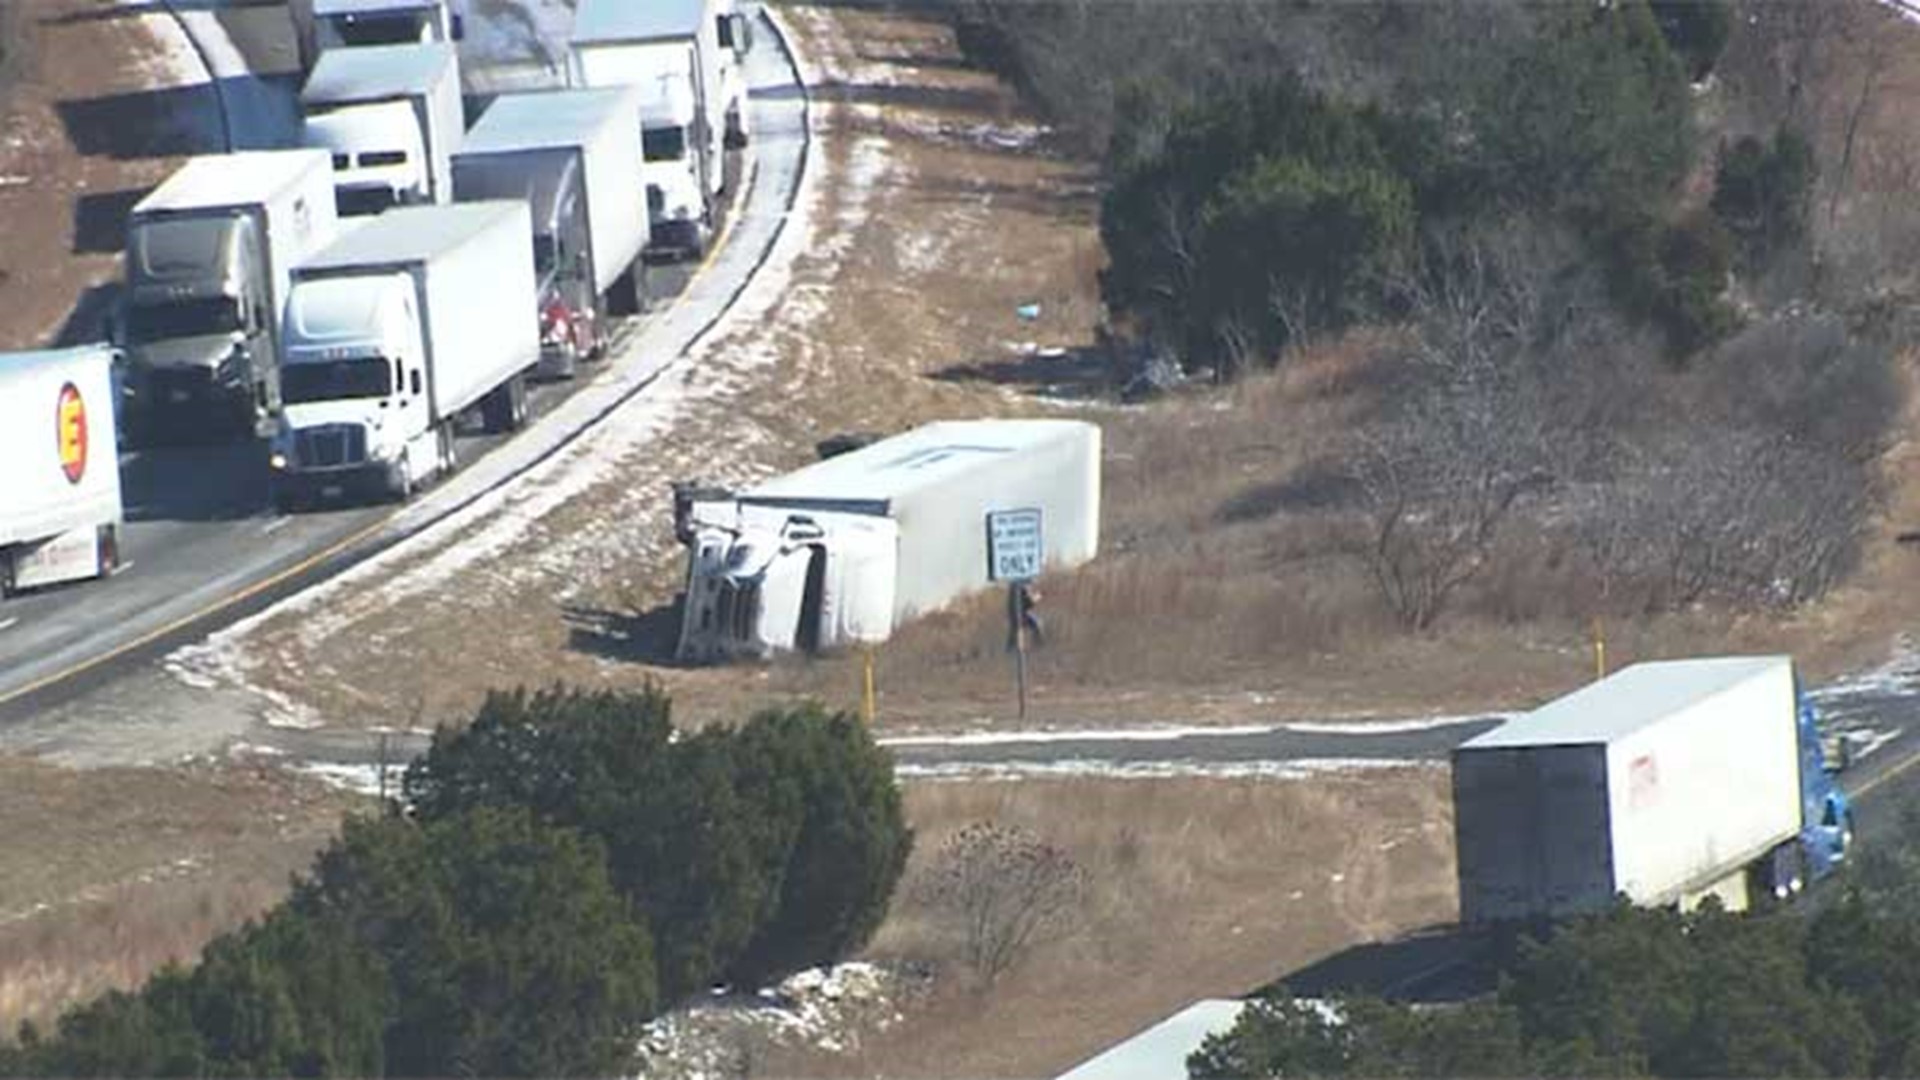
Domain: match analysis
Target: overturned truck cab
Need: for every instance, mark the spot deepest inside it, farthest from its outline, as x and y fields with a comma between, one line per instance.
x=843, y=551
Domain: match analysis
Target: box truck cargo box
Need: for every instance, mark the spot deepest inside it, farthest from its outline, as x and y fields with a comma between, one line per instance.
x=1663, y=783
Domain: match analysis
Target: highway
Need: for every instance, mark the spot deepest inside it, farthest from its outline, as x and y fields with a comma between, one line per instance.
x=202, y=544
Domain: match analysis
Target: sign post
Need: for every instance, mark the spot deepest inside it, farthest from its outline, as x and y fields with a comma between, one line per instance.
x=1014, y=555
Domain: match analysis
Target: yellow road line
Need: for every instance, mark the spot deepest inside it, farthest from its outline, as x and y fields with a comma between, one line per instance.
x=221, y=604
x=1912, y=760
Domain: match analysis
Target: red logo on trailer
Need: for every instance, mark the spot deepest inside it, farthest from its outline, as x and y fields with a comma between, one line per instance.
x=71, y=429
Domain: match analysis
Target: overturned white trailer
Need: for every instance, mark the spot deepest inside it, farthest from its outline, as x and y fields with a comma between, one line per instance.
x=846, y=549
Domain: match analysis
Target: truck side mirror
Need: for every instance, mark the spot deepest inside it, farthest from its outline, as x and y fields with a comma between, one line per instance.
x=459, y=27
x=742, y=34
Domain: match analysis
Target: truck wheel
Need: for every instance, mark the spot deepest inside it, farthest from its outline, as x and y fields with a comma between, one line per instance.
x=449, y=449
x=516, y=403
x=1788, y=872
x=401, y=484
x=108, y=546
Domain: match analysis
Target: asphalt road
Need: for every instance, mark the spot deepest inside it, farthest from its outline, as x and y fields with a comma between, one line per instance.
x=204, y=546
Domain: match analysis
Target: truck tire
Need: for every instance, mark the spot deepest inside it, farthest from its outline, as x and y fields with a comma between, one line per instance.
x=449, y=449
x=625, y=297
x=1788, y=872
x=505, y=409
x=400, y=484
x=493, y=418
x=517, y=402
x=107, y=540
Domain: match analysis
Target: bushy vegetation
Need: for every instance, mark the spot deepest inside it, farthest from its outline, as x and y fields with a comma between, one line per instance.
x=565, y=868
x=1512, y=198
x=1642, y=993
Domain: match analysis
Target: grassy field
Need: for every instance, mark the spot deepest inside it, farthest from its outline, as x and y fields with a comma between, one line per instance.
x=107, y=874
x=1198, y=888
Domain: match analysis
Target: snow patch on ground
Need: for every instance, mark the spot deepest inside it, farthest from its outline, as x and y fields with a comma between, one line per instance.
x=1082, y=768
x=1141, y=734
x=359, y=779
x=837, y=62
x=174, y=62
x=1172, y=733
x=500, y=32
x=1388, y=727
x=1898, y=677
x=824, y=1009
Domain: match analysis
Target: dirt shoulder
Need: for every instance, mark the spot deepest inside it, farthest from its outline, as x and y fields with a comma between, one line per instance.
x=79, y=144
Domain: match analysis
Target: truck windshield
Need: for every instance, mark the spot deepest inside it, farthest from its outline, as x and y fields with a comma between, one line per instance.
x=401, y=29
x=336, y=380
x=183, y=319
x=362, y=201
x=663, y=144
x=543, y=257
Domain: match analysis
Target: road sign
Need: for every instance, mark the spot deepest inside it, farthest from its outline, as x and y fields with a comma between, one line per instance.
x=1014, y=552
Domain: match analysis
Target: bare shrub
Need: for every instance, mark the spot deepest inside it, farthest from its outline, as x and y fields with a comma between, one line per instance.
x=1737, y=516
x=1005, y=891
x=1442, y=473
x=1804, y=378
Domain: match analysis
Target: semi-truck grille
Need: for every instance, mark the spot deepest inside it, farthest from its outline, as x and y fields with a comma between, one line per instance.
x=332, y=446
x=171, y=385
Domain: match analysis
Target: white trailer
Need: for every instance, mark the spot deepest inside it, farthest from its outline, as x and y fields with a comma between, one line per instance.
x=685, y=55
x=574, y=156
x=320, y=25
x=847, y=549
x=1665, y=782
x=390, y=117
x=209, y=255
x=407, y=322
x=59, y=467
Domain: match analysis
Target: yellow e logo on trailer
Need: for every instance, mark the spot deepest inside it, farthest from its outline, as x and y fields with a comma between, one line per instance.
x=71, y=425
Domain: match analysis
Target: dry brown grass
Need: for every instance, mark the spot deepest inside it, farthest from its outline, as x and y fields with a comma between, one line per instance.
x=1200, y=888
x=108, y=874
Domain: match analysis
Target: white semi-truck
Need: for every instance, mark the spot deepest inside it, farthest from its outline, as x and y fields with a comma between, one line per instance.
x=574, y=157
x=395, y=331
x=845, y=550
x=390, y=118
x=321, y=25
x=60, y=506
x=1664, y=783
x=209, y=254
x=685, y=55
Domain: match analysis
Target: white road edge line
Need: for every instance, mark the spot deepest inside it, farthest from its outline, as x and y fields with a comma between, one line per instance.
x=8, y=624
x=276, y=524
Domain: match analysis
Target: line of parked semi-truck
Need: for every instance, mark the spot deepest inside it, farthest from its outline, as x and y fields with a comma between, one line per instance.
x=395, y=275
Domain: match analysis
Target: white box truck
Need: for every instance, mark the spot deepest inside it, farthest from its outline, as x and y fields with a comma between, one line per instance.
x=320, y=25
x=59, y=467
x=847, y=549
x=574, y=157
x=685, y=55
x=406, y=322
x=1665, y=783
x=390, y=117
x=209, y=253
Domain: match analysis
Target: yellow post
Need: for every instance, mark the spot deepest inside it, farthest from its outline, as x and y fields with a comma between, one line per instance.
x=1599, y=650
x=866, y=698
